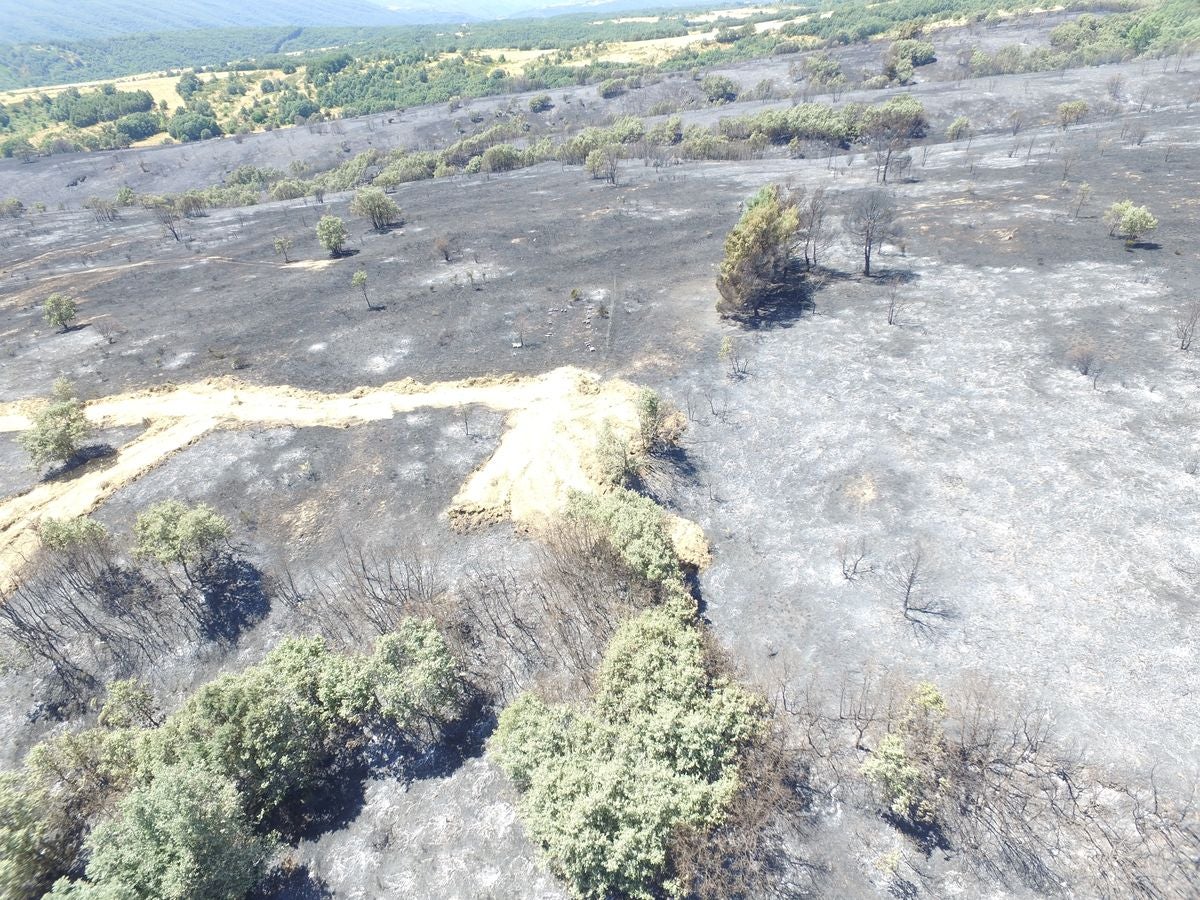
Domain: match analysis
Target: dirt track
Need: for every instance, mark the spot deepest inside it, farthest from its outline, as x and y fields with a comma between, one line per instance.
x=544, y=453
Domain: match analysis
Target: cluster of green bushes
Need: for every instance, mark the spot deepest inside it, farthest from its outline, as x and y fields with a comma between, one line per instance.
x=107, y=104
x=190, y=805
x=839, y=127
x=606, y=787
x=1096, y=40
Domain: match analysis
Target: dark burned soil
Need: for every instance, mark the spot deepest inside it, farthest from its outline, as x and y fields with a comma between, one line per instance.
x=1055, y=512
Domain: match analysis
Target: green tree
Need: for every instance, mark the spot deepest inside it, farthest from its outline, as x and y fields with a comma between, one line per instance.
x=1129, y=221
x=46, y=807
x=890, y=128
x=501, y=158
x=273, y=728
x=331, y=232
x=173, y=532
x=359, y=280
x=60, y=311
x=757, y=253
x=282, y=246
x=604, y=162
x=635, y=527
x=129, y=704
x=182, y=837
x=59, y=428
x=604, y=788
x=30, y=858
x=374, y=204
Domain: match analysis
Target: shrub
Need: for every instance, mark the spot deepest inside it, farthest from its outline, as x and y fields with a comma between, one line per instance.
x=188, y=125
x=540, y=103
x=182, y=837
x=331, y=232
x=289, y=189
x=612, y=87
x=63, y=534
x=138, y=126
x=374, y=204
x=605, y=788
x=501, y=158
x=719, y=89
x=59, y=428
x=60, y=310
x=605, y=163
x=273, y=729
x=29, y=856
x=659, y=425
x=1071, y=112
x=46, y=806
x=958, y=129
x=636, y=528
x=918, y=53
x=908, y=765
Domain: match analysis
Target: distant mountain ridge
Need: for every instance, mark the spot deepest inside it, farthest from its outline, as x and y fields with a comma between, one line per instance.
x=23, y=22
x=63, y=21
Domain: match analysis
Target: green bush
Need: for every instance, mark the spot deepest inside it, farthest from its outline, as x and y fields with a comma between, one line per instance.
x=62, y=534
x=719, y=89
x=1129, y=221
x=30, y=857
x=45, y=808
x=908, y=765
x=1072, y=112
x=636, y=528
x=501, y=158
x=612, y=87
x=604, y=788
x=273, y=728
x=182, y=837
x=918, y=53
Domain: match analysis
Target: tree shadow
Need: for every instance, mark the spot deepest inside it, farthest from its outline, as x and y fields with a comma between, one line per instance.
x=74, y=466
x=461, y=739
x=436, y=751
x=345, y=253
x=235, y=598
x=893, y=276
x=785, y=305
x=929, y=837
x=1142, y=245
x=292, y=883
